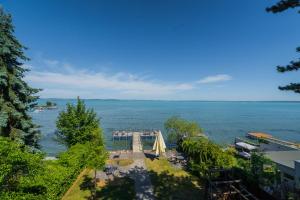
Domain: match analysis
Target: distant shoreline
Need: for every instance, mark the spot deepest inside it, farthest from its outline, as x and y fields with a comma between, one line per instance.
x=267, y=101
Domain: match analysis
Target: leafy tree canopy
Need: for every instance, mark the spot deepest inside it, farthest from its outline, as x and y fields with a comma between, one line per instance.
x=16, y=163
x=178, y=128
x=77, y=124
x=205, y=155
x=16, y=96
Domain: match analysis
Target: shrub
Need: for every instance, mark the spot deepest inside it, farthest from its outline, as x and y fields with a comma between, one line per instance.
x=204, y=155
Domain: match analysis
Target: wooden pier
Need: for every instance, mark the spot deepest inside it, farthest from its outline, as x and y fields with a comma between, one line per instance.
x=119, y=135
x=135, y=137
x=136, y=143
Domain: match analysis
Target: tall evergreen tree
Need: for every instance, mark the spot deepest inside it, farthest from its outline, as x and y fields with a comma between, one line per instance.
x=77, y=124
x=16, y=96
x=294, y=65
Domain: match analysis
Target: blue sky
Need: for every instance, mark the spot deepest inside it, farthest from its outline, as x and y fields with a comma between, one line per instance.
x=177, y=50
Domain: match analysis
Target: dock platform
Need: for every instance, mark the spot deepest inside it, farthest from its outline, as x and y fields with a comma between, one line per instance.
x=136, y=143
x=135, y=137
x=119, y=135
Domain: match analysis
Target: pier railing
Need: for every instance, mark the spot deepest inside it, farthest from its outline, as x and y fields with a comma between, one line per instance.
x=128, y=134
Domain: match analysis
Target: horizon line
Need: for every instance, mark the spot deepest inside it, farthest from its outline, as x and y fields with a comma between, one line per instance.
x=116, y=99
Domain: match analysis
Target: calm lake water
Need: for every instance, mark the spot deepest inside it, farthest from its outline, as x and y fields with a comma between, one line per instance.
x=221, y=121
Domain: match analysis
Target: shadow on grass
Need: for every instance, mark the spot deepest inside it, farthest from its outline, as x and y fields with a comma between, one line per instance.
x=117, y=189
x=87, y=183
x=165, y=186
x=168, y=186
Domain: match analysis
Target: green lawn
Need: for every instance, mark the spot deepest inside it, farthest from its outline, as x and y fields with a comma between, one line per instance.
x=119, y=188
x=172, y=183
x=168, y=181
x=75, y=192
x=120, y=162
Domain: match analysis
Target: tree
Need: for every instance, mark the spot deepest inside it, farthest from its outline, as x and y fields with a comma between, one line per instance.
x=204, y=155
x=294, y=65
x=16, y=163
x=97, y=158
x=263, y=170
x=283, y=5
x=16, y=96
x=78, y=125
x=178, y=128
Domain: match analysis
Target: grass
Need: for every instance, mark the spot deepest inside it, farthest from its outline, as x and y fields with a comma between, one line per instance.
x=75, y=192
x=120, y=162
x=173, y=183
x=163, y=165
x=168, y=182
x=117, y=189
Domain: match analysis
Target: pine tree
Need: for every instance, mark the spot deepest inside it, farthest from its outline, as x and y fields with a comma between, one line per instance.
x=16, y=96
x=294, y=65
x=77, y=124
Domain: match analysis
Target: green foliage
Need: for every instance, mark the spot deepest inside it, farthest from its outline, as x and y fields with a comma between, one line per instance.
x=96, y=161
x=17, y=164
x=16, y=97
x=294, y=65
x=263, y=170
x=23, y=172
x=204, y=155
x=178, y=128
x=78, y=125
x=24, y=175
x=259, y=170
x=97, y=156
x=283, y=5
x=76, y=156
x=79, y=129
x=66, y=169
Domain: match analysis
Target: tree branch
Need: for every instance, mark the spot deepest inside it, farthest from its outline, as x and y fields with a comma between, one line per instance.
x=283, y=5
x=291, y=87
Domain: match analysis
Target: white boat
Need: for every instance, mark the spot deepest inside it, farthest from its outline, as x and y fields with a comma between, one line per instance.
x=38, y=110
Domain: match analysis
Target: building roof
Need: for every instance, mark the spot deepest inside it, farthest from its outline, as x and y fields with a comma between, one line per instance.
x=260, y=135
x=245, y=145
x=285, y=158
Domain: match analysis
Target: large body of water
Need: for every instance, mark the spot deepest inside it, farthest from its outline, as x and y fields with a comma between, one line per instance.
x=221, y=121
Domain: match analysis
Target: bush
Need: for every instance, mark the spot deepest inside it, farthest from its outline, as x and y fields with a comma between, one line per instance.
x=64, y=171
x=53, y=178
x=204, y=155
x=17, y=162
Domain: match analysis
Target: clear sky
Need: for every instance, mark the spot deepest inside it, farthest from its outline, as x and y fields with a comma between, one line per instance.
x=158, y=49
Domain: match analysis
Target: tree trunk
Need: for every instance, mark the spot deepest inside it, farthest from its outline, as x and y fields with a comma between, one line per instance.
x=95, y=183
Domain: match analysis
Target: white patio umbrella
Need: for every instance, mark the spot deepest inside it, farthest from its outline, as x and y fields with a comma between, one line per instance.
x=159, y=145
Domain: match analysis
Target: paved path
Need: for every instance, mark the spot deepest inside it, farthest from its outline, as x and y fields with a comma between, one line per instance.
x=142, y=182
x=136, y=143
